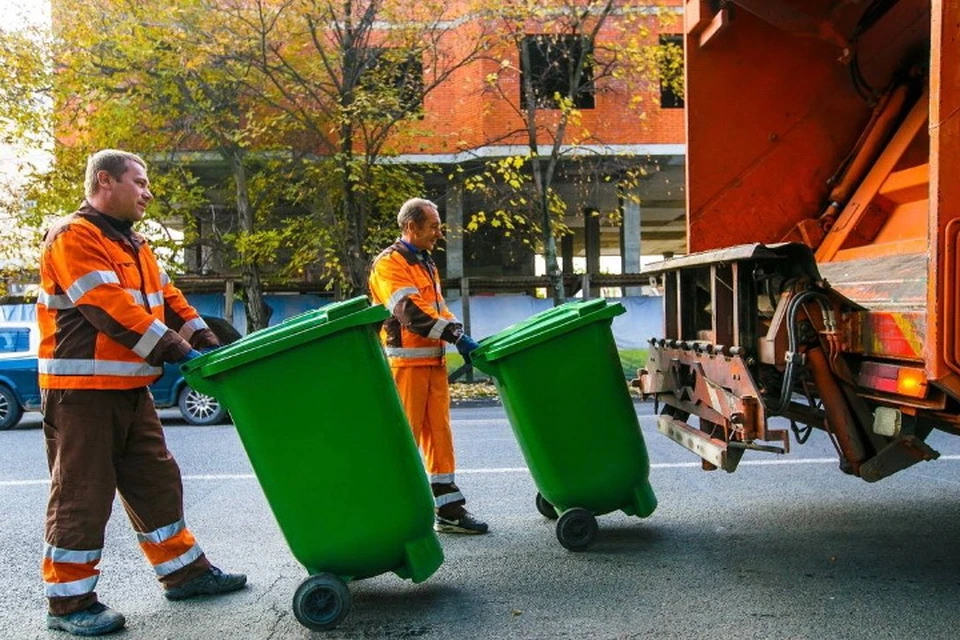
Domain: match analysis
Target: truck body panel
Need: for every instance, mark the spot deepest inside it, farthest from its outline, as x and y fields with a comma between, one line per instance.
x=823, y=281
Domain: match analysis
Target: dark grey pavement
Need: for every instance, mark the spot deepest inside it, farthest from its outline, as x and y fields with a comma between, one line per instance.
x=784, y=548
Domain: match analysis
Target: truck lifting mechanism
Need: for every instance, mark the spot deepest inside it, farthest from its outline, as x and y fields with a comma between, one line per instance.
x=822, y=285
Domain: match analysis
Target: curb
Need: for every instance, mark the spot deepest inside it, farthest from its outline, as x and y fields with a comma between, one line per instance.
x=468, y=404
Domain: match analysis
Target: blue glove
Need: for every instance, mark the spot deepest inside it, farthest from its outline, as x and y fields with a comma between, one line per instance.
x=465, y=346
x=193, y=353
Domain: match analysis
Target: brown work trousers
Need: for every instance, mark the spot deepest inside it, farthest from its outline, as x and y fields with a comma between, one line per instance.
x=100, y=442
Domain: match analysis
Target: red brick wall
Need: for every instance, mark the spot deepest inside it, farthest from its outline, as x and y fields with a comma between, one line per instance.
x=465, y=114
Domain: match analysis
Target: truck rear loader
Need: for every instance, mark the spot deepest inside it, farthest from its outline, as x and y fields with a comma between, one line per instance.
x=822, y=283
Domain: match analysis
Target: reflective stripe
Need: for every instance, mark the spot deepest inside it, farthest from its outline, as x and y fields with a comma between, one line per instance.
x=441, y=478
x=443, y=307
x=399, y=295
x=164, y=279
x=447, y=498
x=57, y=554
x=191, y=327
x=155, y=299
x=168, y=567
x=78, y=367
x=51, y=301
x=163, y=533
x=136, y=295
x=423, y=352
x=75, y=588
x=150, y=339
x=438, y=328
x=89, y=282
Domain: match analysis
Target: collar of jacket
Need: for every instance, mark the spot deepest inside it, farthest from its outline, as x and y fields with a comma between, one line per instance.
x=99, y=219
x=408, y=251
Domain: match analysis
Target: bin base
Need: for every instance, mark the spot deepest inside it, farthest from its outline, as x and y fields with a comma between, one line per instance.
x=422, y=558
x=644, y=502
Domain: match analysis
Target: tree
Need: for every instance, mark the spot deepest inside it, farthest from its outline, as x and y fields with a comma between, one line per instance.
x=350, y=79
x=561, y=55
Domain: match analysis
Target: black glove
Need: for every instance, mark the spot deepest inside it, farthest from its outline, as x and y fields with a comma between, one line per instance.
x=207, y=350
x=190, y=355
x=465, y=346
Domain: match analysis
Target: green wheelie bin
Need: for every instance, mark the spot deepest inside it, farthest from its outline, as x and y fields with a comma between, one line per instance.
x=337, y=448
x=559, y=376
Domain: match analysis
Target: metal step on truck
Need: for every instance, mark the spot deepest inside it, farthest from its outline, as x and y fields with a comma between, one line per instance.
x=822, y=283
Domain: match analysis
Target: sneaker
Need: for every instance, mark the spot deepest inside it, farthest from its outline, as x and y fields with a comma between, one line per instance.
x=464, y=524
x=96, y=620
x=211, y=583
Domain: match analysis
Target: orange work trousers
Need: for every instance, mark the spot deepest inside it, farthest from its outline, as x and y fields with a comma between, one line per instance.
x=425, y=394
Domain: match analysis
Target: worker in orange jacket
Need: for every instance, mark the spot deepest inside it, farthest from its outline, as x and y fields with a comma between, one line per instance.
x=109, y=318
x=404, y=279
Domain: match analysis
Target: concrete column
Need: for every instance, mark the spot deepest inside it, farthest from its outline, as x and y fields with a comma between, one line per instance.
x=630, y=243
x=454, y=234
x=591, y=230
x=566, y=252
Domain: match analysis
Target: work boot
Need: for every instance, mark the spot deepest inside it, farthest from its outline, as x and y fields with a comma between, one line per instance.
x=212, y=582
x=466, y=523
x=96, y=620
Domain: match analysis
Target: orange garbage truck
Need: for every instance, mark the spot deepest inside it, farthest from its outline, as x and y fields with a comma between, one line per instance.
x=822, y=284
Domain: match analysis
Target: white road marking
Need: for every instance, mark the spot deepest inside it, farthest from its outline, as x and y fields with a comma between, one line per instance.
x=492, y=470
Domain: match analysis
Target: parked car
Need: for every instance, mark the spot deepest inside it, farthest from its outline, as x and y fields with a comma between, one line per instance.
x=20, y=391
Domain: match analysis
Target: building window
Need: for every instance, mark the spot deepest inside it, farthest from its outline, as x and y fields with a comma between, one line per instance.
x=393, y=72
x=670, y=60
x=553, y=65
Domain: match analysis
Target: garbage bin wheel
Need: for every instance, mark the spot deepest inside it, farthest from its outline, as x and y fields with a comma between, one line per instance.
x=545, y=508
x=576, y=529
x=321, y=602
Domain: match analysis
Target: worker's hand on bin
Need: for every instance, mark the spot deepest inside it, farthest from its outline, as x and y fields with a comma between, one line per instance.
x=190, y=355
x=465, y=346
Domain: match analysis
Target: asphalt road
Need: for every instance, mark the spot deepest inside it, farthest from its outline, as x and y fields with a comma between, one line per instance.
x=784, y=548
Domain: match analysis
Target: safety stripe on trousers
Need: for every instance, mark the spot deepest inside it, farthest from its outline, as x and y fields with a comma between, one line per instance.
x=447, y=498
x=168, y=567
x=75, y=568
x=160, y=543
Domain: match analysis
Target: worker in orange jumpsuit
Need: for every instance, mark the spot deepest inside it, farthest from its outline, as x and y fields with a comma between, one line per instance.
x=109, y=318
x=404, y=279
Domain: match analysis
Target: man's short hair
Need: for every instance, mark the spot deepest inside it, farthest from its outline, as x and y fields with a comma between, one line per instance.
x=113, y=161
x=414, y=210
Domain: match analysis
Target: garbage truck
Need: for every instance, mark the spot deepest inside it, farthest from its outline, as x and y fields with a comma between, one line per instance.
x=821, y=286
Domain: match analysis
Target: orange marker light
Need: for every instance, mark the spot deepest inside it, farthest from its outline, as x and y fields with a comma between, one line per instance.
x=911, y=382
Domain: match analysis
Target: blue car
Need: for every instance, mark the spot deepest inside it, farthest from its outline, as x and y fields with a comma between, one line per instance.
x=19, y=389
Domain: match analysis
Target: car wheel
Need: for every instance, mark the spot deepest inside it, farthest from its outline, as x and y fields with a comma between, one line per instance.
x=198, y=408
x=10, y=409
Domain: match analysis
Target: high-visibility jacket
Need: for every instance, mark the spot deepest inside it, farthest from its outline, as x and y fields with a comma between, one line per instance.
x=408, y=285
x=109, y=316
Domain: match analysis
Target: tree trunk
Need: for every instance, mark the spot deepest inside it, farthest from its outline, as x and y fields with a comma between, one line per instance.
x=354, y=259
x=256, y=308
x=542, y=189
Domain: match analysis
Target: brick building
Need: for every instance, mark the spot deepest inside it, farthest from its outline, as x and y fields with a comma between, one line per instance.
x=465, y=124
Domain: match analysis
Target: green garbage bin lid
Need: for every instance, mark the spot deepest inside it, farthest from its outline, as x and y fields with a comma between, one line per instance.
x=293, y=332
x=544, y=326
